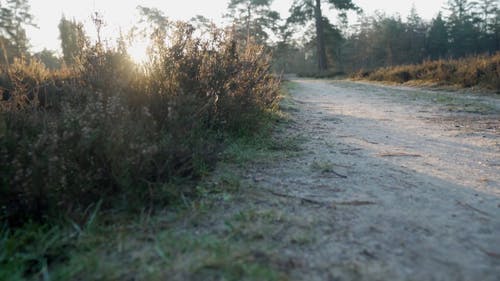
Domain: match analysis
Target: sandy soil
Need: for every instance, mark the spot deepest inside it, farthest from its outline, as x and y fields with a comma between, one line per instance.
x=391, y=184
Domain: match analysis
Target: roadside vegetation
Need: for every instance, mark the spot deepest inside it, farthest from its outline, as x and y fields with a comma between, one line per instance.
x=86, y=147
x=181, y=240
x=193, y=238
x=477, y=71
x=107, y=129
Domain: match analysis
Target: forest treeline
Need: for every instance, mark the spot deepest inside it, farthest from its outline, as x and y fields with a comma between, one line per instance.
x=463, y=28
x=314, y=37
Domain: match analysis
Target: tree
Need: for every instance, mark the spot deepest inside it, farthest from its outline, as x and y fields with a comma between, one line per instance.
x=462, y=31
x=496, y=30
x=303, y=11
x=388, y=38
x=7, y=49
x=15, y=15
x=154, y=17
x=288, y=55
x=487, y=18
x=415, y=36
x=486, y=12
x=334, y=41
x=49, y=59
x=253, y=18
x=333, y=44
x=72, y=38
x=358, y=49
x=157, y=24
x=202, y=23
x=437, y=38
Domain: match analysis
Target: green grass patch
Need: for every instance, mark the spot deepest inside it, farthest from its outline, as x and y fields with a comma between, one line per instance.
x=322, y=166
x=455, y=103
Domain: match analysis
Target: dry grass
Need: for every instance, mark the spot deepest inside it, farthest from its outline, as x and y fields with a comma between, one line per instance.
x=477, y=71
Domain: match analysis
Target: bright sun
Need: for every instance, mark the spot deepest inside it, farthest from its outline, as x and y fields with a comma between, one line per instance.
x=138, y=52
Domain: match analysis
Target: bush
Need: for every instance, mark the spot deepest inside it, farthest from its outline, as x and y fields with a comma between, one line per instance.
x=108, y=129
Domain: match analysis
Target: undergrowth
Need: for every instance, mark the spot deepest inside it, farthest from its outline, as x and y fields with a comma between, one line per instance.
x=152, y=245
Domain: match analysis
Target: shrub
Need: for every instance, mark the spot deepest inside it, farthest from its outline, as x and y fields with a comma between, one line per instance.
x=109, y=129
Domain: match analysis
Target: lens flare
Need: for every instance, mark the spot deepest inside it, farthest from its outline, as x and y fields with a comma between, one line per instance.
x=138, y=52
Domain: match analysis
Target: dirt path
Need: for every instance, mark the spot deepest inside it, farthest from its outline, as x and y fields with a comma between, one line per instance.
x=390, y=184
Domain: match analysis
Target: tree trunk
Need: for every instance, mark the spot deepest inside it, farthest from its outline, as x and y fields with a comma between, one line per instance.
x=320, y=38
x=249, y=17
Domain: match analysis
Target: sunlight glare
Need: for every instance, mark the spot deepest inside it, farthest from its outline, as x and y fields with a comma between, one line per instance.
x=138, y=52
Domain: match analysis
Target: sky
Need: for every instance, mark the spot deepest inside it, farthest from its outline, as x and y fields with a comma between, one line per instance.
x=123, y=13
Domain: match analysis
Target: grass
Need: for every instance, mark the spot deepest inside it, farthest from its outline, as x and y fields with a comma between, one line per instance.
x=454, y=103
x=477, y=71
x=270, y=144
x=322, y=166
x=166, y=254
x=287, y=105
x=165, y=245
x=329, y=74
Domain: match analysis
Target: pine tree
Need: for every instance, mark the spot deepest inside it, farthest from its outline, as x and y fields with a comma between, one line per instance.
x=15, y=16
x=487, y=12
x=72, y=40
x=303, y=11
x=253, y=19
x=437, y=38
x=49, y=59
x=496, y=31
x=463, y=33
x=415, y=34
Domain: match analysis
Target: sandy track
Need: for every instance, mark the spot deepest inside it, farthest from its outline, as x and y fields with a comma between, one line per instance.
x=390, y=185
